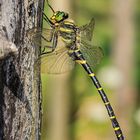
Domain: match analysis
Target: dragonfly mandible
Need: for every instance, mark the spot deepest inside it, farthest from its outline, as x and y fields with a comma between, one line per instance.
x=76, y=46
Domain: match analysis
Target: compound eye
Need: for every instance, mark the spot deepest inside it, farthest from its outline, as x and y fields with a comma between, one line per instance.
x=66, y=15
x=59, y=15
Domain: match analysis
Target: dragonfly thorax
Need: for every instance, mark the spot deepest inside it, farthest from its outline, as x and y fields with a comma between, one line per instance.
x=68, y=31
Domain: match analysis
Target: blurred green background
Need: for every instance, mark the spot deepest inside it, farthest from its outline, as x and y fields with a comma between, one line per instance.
x=72, y=108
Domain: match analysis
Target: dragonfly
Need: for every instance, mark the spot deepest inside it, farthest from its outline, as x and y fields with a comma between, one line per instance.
x=66, y=43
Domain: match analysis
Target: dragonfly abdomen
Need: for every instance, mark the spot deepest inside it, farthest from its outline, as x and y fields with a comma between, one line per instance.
x=80, y=59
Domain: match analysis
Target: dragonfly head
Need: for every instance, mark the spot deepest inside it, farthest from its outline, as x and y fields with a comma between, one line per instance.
x=58, y=17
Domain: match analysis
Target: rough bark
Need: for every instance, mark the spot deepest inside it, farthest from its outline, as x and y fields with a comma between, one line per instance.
x=7, y=48
x=20, y=100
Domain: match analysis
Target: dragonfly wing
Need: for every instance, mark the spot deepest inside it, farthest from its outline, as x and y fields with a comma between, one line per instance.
x=40, y=37
x=92, y=54
x=87, y=30
x=57, y=62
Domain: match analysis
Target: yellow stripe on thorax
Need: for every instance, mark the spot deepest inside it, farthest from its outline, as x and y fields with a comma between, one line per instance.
x=79, y=55
x=65, y=30
x=77, y=50
x=69, y=23
x=68, y=41
x=71, y=51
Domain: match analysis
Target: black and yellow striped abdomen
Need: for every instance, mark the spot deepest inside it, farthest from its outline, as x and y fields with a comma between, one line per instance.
x=80, y=59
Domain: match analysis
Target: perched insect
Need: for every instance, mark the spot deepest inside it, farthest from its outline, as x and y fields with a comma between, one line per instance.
x=64, y=44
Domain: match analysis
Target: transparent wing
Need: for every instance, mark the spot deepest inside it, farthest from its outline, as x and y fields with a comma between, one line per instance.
x=41, y=37
x=58, y=61
x=87, y=30
x=92, y=54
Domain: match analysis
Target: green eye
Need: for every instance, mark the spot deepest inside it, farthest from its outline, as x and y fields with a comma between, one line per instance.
x=59, y=16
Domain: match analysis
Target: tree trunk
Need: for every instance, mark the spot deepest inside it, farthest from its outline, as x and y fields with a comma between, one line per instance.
x=20, y=100
x=123, y=59
x=58, y=96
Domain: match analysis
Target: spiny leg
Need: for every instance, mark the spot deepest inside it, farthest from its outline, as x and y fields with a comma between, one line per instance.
x=44, y=48
x=50, y=6
x=46, y=17
x=53, y=46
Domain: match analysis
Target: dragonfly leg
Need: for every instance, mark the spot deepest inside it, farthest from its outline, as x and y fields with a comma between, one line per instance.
x=54, y=41
x=46, y=18
x=43, y=51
